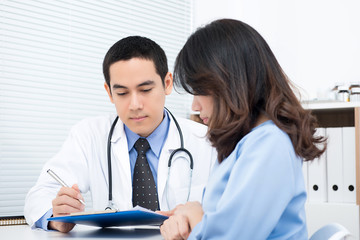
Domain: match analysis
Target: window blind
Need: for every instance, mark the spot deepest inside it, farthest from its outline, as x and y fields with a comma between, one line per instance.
x=51, y=55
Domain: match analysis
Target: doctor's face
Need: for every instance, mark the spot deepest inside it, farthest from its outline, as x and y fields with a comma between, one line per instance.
x=204, y=105
x=138, y=94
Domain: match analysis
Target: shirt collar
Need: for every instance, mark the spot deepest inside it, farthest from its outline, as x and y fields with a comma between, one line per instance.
x=156, y=139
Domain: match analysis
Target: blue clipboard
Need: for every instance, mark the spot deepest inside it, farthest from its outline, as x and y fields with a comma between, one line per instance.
x=111, y=219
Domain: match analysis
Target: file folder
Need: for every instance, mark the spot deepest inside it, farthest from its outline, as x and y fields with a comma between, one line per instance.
x=317, y=180
x=349, y=165
x=112, y=219
x=335, y=165
x=306, y=176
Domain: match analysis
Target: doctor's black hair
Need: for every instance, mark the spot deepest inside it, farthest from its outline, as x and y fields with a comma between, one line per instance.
x=136, y=47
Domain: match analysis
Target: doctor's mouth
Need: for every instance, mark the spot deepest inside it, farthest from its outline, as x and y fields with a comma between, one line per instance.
x=138, y=119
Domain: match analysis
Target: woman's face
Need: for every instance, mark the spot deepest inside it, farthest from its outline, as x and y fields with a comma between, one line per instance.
x=204, y=105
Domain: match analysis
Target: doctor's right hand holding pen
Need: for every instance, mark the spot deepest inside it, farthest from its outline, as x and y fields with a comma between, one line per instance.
x=68, y=200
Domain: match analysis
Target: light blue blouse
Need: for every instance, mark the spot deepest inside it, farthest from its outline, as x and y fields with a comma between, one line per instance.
x=257, y=192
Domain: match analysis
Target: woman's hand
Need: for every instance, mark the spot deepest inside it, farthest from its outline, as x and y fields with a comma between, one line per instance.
x=182, y=220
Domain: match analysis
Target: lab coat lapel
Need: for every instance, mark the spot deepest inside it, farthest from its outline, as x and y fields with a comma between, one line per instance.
x=172, y=142
x=122, y=184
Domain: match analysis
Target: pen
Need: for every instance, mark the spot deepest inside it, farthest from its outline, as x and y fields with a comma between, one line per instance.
x=56, y=177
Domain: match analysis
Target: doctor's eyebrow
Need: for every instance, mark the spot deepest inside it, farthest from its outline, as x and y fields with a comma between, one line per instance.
x=146, y=83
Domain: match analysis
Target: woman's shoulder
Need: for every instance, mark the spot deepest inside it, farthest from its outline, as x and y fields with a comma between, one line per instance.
x=268, y=131
x=267, y=145
x=266, y=136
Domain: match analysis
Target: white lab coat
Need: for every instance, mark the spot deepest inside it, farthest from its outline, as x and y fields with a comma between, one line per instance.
x=83, y=160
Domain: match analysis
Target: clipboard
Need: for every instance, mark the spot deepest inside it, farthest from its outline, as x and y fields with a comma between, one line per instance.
x=133, y=217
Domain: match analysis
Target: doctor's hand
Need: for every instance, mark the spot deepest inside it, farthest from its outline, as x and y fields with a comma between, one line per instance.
x=66, y=202
x=182, y=220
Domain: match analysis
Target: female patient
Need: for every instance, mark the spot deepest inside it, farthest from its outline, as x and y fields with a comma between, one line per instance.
x=261, y=133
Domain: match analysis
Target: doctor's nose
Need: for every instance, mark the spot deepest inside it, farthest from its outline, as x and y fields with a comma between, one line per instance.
x=135, y=102
x=195, y=104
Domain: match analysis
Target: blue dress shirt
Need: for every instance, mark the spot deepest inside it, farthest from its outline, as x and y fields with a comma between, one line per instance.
x=257, y=192
x=43, y=222
x=156, y=140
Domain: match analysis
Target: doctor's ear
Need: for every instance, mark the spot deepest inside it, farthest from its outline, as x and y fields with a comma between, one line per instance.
x=168, y=81
x=108, y=90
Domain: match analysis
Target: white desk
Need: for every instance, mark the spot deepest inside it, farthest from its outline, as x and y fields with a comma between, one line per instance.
x=80, y=232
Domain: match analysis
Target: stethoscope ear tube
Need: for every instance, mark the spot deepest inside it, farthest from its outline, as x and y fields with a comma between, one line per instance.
x=109, y=158
x=181, y=150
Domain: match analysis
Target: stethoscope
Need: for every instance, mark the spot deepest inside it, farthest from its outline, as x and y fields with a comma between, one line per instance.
x=111, y=205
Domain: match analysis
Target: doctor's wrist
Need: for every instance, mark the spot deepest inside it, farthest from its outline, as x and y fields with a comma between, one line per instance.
x=60, y=226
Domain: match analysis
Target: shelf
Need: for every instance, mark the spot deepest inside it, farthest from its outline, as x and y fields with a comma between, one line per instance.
x=333, y=113
x=340, y=114
x=323, y=105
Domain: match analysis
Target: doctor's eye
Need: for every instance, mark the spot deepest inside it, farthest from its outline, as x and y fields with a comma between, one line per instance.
x=121, y=93
x=146, y=90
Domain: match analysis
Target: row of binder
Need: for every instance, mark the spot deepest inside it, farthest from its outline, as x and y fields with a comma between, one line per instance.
x=332, y=177
x=12, y=220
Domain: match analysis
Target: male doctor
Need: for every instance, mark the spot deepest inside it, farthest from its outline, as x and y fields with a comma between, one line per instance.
x=137, y=81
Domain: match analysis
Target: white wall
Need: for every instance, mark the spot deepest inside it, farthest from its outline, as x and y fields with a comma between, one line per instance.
x=316, y=42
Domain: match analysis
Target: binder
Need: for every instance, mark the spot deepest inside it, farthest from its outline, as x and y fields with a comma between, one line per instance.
x=12, y=220
x=132, y=217
x=317, y=181
x=349, y=165
x=335, y=165
x=305, y=174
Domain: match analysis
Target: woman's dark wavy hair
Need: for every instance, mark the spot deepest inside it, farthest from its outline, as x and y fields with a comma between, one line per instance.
x=229, y=60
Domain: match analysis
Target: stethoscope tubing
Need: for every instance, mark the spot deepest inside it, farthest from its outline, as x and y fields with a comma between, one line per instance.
x=109, y=157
